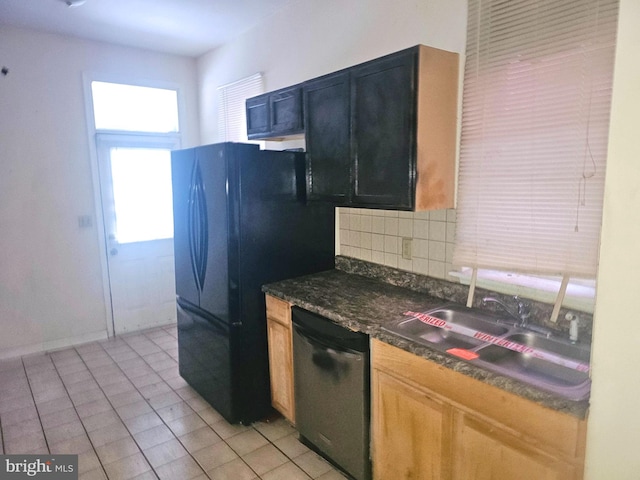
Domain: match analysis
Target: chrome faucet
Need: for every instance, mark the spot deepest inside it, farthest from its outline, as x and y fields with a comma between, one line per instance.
x=523, y=309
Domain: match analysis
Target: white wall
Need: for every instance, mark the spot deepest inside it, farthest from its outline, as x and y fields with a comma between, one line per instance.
x=614, y=419
x=51, y=280
x=311, y=38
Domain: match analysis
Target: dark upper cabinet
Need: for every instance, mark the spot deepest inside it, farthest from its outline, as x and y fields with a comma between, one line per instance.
x=286, y=111
x=275, y=114
x=383, y=134
x=257, y=109
x=327, y=126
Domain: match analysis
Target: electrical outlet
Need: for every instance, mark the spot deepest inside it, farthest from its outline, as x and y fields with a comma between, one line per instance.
x=406, y=248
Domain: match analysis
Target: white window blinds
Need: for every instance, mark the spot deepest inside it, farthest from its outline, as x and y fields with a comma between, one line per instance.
x=535, y=121
x=232, y=120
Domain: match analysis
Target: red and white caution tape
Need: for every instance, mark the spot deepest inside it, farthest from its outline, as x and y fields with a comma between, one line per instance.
x=492, y=339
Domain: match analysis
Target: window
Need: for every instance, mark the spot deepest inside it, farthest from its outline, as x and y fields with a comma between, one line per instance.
x=134, y=108
x=535, y=122
x=232, y=120
x=141, y=180
x=136, y=131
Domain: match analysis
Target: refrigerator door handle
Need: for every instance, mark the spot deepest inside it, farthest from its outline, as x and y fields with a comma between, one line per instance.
x=193, y=225
x=203, y=224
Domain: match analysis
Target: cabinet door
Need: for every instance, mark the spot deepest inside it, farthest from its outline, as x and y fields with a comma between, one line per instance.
x=410, y=432
x=257, y=109
x=326, y=119
x=486, y=452
x=286, y=111
x=383, y=115
x=281, y=368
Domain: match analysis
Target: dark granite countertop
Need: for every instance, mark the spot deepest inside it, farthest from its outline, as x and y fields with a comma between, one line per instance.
x=366, y=304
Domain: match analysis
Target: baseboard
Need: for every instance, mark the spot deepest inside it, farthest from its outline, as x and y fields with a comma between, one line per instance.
x=52, y=345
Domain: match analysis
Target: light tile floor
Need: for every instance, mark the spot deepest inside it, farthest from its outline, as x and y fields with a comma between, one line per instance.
x=121, y=405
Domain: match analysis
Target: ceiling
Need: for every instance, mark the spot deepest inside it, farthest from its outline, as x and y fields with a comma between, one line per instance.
x=183, y=27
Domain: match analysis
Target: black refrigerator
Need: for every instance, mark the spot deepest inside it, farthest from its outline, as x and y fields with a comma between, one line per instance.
x=240, y=221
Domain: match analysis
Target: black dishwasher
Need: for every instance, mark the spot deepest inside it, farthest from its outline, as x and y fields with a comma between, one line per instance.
x=331, y=382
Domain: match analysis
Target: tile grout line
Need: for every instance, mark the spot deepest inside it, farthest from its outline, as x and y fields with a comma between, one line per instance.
x=2, y=444
x=270, y=442
x=102, y=464
x=75, y=409
x=123, y=338
x=35, y=404
x=283, y=453
x=208, y=425
x=102, y=347
x=225, y=440
x=199, y=416
x=154, y=410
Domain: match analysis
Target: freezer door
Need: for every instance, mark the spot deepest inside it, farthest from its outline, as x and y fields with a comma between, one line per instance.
x=204, y=358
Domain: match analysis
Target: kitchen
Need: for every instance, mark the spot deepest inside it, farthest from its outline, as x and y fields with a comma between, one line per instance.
x=35, y=134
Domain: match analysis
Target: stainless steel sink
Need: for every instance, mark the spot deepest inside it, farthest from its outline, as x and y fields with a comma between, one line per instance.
x=579, y=353
x=563, y=370
x=471, y=318
x=542, y=373
x=418, y=331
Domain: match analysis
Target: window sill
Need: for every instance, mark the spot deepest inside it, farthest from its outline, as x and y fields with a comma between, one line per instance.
x=580, y=293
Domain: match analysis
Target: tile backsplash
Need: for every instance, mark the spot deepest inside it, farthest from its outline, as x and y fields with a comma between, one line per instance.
x=377, y=236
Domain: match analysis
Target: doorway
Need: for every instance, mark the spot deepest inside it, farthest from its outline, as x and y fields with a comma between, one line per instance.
x=135, y=186
x=136, y=127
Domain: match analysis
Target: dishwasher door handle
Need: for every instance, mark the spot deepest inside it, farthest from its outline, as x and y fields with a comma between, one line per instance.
x=325, y=344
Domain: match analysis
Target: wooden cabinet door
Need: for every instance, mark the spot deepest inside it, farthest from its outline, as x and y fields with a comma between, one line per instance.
x=326, y=120
x=383, y=116
x=486, y=452
x=410, y=432
x=257, y=110
x=281, y=368
x=286, y=111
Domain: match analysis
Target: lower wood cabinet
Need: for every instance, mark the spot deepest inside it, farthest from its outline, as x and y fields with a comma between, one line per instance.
x=429, y=422
x=280, y=356
x=411, y=433
x=486, y=452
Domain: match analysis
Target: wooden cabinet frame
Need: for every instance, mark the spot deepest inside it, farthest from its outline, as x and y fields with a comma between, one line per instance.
x=280, y=356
